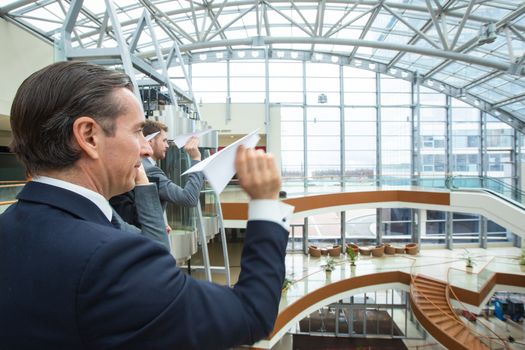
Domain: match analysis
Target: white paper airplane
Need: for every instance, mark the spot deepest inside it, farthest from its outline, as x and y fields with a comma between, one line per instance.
x=219, y=168
x=151, y=136
x=181, y=140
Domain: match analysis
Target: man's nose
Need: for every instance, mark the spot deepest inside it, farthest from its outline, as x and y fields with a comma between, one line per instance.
x=145, y=148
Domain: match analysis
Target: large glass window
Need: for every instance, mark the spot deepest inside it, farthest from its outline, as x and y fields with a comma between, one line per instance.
x=323, y=141
x=395, y=144
x=292, y=142
x=466, y=139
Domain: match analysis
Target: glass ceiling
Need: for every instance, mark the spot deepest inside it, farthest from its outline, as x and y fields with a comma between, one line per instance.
x=473, y=50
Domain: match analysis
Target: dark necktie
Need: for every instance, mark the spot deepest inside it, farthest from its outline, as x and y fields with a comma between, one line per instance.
x=114, y=221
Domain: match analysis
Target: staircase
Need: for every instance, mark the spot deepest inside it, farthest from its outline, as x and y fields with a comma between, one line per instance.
x=431, y=307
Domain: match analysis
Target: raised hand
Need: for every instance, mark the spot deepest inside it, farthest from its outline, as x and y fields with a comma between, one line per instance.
x=257, y=173
x=192, y=148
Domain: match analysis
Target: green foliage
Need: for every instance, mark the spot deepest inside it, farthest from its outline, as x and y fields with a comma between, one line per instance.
x=287, y=283
x=352, y=256
x=522, y=257
x=469, y=260
x=329, y=265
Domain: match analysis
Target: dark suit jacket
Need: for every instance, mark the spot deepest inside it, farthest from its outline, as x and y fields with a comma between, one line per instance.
x=69, y=280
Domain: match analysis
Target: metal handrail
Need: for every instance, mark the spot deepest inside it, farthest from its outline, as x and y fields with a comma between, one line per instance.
x=454, y=318
x=450, y=289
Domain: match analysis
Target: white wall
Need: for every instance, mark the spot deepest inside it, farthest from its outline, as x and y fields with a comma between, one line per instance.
x=22, y=54
x=246, y=117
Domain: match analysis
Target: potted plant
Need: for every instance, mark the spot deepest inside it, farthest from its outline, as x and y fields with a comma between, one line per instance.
x=352, y=256
x=287, y=283
x=329, y=265
x=469, y=261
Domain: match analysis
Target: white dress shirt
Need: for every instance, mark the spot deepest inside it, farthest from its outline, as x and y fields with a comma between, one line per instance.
x=93, y=196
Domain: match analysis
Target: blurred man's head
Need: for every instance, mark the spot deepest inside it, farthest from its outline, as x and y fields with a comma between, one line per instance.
x=80, y=120
x=159, y=143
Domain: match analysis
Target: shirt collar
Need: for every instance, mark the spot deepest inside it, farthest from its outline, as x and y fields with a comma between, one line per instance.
x=93, y=196
x=152, y=161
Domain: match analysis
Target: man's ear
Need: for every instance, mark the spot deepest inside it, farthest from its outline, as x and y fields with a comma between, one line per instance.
x=87, y=133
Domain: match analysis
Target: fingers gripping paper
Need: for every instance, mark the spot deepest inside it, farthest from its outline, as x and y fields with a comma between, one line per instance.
x=220, y=167
x=181, y=140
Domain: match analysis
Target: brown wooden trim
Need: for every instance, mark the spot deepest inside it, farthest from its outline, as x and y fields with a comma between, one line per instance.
x=292, y=310
x=239, y=211
x=434, y=330
x=7, y=202
x=13, y=185
x=474, y=298
x=234, y=211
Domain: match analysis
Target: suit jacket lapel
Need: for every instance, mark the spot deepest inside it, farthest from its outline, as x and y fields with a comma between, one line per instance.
x=63, y=199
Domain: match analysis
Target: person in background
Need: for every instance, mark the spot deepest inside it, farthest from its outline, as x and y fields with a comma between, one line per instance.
x=145, y=215
x=77, y=127
x=169, y=192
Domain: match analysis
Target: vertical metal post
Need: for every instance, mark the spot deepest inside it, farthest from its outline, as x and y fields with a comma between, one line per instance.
x=305, y=129
x=342, y=136
x=162, y=63
x=223, y=240
x=448, y=231
x=483, y=234
x=379, y=226
x=416, y=226
x=186, y=77
x=448, y=144
x=305, y=235
x=379, y=165
x=514, y=158
x=125, y=55
x=415, y=126
x=204, y=243
x=343, y=230
x=228, y=93
x=69, y=24
x=483, y=156
x=267, y=121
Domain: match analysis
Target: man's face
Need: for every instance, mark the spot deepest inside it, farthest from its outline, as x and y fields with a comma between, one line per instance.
x=159, y=144
x=121, y=154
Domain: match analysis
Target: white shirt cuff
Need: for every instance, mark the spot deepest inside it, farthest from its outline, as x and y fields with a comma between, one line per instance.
x=270, y=210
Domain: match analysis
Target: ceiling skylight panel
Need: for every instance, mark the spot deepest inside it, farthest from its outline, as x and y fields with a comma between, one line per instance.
x=364, y=52
x=489, y=11
x=510, y=89
x=383, y=56
x=348, y=34
x=276, y=18
x=309, y=13
x=170, y=5
x=396, y=39
x=373, y=35
x=517, y=107
x=450, y=80
x=41, y=25
x=493, y=96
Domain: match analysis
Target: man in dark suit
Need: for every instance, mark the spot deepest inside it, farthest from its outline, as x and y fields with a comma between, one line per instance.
x=70, y=278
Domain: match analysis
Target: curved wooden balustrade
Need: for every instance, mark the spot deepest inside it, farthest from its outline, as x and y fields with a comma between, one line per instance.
x=293, y=312
x=239, y=211
x=431, y=305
